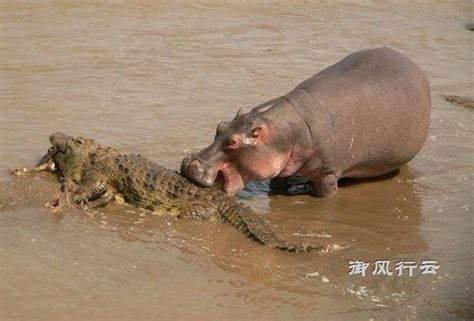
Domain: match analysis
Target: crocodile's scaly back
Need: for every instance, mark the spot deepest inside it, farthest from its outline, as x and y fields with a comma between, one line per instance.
x=102, y=172
x=148, y=185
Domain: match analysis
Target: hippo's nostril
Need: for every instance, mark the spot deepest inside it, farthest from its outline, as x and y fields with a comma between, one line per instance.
x=192, y=166
x=196, y=170
x=195, y=163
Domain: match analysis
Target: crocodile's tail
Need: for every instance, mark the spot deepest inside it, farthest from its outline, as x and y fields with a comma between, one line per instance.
x=245, y=220
x=461, y=100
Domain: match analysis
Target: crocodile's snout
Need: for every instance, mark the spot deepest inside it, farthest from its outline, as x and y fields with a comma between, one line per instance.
x=59, y=140
x=58, y=136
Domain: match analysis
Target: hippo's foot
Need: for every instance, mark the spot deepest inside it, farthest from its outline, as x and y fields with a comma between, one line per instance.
x=325, y=186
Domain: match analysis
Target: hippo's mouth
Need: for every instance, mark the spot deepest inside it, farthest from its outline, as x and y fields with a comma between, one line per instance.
x=229, y=180
x=223, y=176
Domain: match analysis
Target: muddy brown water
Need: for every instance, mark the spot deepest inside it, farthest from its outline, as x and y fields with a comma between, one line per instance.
x=155, y=78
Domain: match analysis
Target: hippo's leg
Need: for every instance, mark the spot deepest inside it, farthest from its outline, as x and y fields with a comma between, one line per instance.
x=278, y=185
x=325, y=186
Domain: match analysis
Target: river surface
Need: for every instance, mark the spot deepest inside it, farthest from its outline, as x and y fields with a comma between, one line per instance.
x=155, y=78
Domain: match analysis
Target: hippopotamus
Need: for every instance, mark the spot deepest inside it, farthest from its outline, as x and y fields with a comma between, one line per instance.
x=364, y=116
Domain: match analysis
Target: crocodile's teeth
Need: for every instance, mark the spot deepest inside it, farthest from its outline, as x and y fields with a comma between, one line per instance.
x=51, y=165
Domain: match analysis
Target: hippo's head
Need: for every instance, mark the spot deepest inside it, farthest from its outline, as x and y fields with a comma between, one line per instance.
x=244, y=149
x=68, y=154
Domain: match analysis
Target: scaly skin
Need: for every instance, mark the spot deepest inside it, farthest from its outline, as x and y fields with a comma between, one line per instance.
x=461, y=100
x=93, y=175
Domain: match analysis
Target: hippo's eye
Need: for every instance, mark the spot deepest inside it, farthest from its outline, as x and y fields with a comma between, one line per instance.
x=256, y=132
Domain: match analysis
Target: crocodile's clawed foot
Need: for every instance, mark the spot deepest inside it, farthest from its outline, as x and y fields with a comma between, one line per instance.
x=101, y=201
x=64, y=200
x=80, y=200
x=59, y=202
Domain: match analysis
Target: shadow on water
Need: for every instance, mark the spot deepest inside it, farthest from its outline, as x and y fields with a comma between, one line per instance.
x=298, y=185
x=385, y=207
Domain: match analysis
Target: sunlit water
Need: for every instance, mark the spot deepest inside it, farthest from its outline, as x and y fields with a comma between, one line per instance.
x=156, y=79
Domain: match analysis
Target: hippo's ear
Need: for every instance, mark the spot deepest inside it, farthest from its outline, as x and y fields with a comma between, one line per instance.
x=240, y=112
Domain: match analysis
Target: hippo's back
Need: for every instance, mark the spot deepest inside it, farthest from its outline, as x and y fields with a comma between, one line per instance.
x=370, y=112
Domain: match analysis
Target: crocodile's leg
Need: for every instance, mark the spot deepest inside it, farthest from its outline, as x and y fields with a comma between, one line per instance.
x=68, y=185
x=94, y=185
x=58, y=202
x=63, y=200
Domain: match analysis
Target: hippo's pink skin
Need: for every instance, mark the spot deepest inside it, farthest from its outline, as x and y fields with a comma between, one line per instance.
x=364, y=116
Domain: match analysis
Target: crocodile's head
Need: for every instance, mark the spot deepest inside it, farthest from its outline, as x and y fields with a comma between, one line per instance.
x=68, y=155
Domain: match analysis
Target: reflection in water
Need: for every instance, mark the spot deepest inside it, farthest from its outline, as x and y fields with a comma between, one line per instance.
x=155, y=78
x=391, y=219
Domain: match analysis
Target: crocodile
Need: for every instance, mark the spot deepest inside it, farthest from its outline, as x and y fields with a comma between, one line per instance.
x=461, y=100
x=93, y=175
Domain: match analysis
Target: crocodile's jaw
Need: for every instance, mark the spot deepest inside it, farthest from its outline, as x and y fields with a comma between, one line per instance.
x=47, y=162
x=48, y=158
